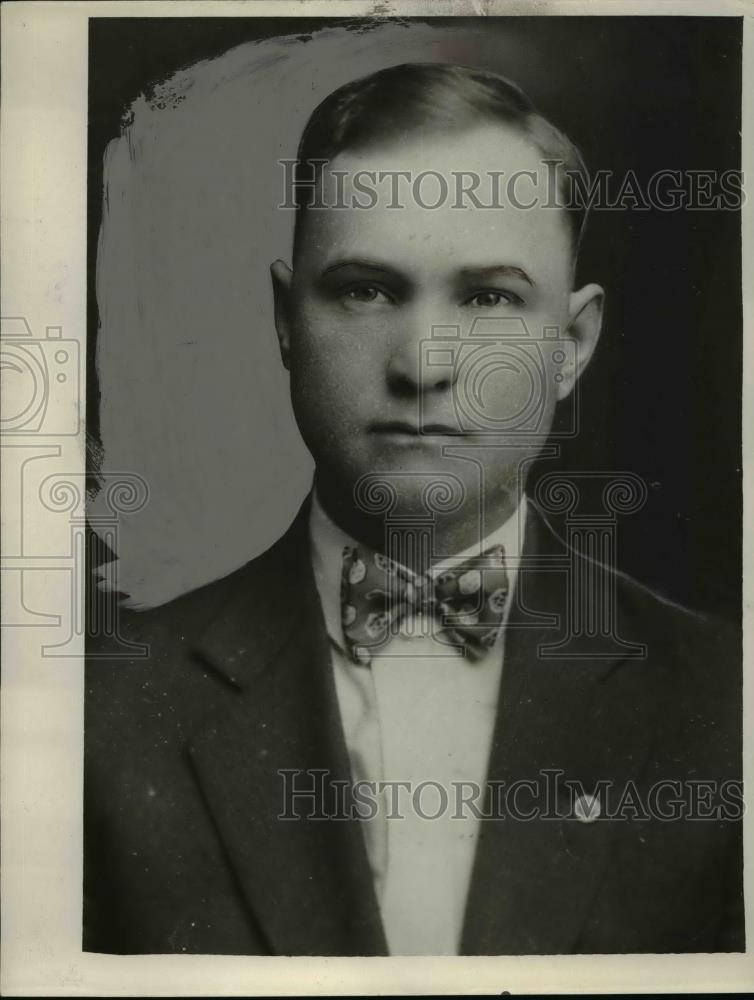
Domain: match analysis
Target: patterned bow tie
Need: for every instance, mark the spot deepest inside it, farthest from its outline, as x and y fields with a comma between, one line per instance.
x=466, y=601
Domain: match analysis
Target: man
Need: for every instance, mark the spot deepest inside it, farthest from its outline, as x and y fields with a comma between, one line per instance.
x=414, y=626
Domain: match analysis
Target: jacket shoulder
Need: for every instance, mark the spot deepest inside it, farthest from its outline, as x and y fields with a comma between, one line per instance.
x=672, y=625
x=184, y=618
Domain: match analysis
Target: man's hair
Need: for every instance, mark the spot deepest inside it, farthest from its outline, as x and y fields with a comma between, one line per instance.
x=429, y=97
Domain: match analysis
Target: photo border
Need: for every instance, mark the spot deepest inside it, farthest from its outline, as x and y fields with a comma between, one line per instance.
x=43, y=154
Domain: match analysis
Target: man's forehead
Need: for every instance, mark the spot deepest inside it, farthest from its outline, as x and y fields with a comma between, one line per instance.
x=481, y=148
x=472, y=239
x=443, y=200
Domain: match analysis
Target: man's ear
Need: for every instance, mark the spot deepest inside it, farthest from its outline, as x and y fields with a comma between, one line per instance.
x=584, y=326
x=281, y=290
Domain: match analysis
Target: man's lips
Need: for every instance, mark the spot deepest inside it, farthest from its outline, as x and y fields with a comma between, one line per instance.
x=397, y=428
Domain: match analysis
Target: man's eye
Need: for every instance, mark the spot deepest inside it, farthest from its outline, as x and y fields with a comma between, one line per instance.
x=488, y=300
x=365, y=294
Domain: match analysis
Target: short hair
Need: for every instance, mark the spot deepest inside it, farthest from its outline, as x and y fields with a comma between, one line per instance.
x=391, y=103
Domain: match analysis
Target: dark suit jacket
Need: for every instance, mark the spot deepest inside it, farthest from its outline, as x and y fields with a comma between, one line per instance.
x=183, y=848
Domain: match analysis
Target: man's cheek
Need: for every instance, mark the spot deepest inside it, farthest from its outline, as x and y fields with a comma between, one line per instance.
x=334, y=355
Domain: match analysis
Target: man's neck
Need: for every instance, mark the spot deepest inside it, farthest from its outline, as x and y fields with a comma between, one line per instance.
x=407, y=530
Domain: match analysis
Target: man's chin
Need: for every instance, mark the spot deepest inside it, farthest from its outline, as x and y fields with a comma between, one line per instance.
x=415, y=488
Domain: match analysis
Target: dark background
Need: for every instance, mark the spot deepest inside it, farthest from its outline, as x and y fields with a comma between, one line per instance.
x=662, y=396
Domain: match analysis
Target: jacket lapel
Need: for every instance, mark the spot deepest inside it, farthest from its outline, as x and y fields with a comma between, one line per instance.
x=307, y=880
x=533, y=880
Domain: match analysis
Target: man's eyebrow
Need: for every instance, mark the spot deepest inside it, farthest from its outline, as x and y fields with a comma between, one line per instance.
x=372, y=265
x=490, y=271
x=482, y=272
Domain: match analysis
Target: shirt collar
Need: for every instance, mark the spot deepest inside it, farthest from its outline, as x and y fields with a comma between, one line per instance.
x=328, y=541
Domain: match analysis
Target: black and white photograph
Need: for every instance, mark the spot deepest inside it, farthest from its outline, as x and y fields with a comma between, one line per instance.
x=400, y=468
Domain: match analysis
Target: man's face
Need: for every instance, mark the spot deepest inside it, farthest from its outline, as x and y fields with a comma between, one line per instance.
x=371, y=391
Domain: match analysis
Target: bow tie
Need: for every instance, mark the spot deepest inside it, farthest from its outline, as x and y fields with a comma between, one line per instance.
x=466, y=601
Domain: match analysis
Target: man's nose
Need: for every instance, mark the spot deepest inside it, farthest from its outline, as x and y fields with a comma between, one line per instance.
x=415, y=365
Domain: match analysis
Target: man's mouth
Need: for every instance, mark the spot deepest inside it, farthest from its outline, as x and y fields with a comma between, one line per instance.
x=401, y=428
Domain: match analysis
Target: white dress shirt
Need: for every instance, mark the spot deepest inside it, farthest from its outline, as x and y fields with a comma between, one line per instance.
x=419, y=713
